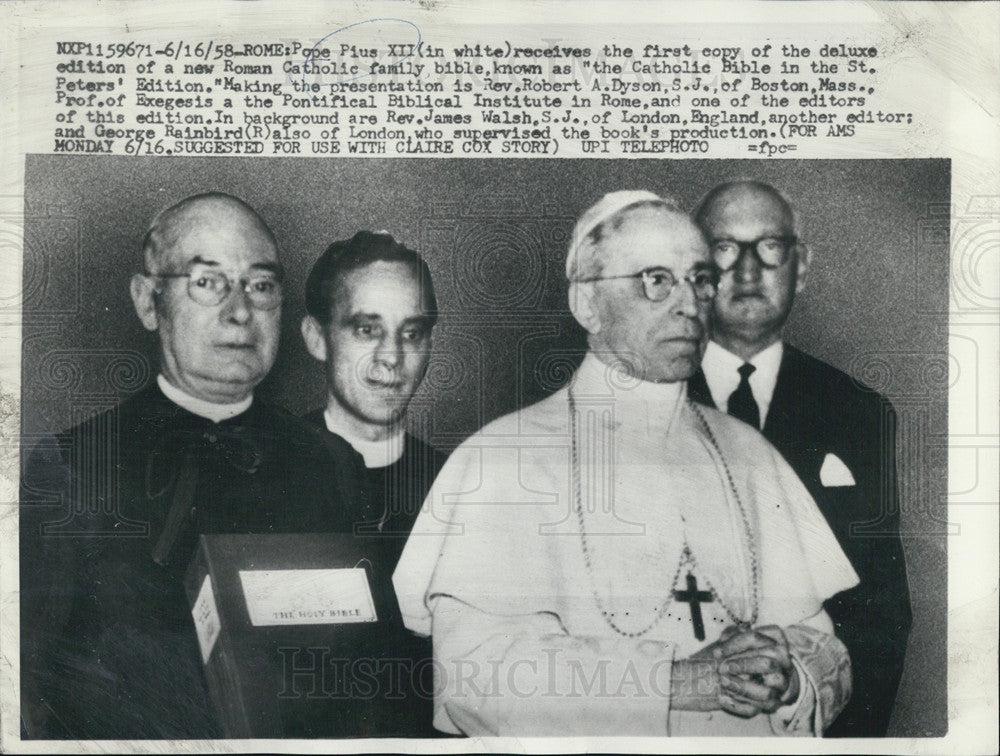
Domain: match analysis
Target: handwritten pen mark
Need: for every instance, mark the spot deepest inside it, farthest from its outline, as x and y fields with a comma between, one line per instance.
x=308, y=57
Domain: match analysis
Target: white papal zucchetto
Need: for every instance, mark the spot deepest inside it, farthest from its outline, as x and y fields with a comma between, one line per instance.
x=610, y=204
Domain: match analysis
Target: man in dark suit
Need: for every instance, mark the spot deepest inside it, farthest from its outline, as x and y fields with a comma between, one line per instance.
x=371, y=309
x=838, y=435
x=111, y=509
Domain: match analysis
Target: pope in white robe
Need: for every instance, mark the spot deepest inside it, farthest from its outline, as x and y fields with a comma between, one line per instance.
x=615, y=560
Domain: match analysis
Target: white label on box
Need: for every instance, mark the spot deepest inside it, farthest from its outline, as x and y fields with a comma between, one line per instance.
x=206, y=619
x=307, y=597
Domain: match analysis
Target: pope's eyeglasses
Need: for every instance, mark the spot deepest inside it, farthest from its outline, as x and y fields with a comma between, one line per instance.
x=658, y=283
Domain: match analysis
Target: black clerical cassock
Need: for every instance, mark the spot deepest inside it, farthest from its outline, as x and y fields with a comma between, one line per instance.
x=110, y=513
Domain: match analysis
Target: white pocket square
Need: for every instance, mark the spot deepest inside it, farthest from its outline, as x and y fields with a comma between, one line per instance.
x=834, y=472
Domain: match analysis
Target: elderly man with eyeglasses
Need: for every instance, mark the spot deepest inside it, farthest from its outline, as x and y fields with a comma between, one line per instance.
x=108, y=644
x=615, y=560
x=837, y=434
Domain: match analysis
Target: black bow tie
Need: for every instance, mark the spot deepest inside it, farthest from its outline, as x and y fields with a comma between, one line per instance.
x=236, y=444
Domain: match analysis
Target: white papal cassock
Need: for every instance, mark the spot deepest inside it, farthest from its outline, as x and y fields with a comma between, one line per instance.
x=545, y=569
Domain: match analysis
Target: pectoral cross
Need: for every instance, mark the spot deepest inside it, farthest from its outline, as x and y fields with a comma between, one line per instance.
x=693, y=597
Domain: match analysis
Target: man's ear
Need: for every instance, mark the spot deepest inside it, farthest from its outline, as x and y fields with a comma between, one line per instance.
x=315, y=338
x=804, y=257
x=583, y=305
x=144, y=298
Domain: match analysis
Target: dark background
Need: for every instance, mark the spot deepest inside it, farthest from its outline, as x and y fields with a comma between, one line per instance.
x=494, y=233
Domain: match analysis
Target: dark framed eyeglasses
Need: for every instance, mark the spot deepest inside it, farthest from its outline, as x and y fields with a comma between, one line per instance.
x=209, y=287
x=658, y=283
x=770, y=251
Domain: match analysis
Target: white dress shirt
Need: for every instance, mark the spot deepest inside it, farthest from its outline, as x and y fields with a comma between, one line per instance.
x=721, y=373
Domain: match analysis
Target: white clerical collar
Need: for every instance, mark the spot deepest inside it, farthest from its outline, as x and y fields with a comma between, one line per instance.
x=636, y=401
x=209, y=410
x=720, y=367
x=376, y=453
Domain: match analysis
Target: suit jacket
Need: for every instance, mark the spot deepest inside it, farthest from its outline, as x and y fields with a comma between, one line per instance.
x=108, y=642
x=817, y=410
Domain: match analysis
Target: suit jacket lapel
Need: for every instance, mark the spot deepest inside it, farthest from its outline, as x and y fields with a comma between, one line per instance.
x=791, y=422
x=780, y=425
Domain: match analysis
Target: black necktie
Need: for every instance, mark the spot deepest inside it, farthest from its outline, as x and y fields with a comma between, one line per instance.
x=741, y=401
